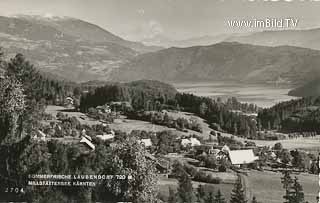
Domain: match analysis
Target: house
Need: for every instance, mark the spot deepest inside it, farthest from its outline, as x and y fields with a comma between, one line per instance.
x=241, y=157
x=87, y=143
x=108, y=136
x=190, y=142
x=40, y=136
x=105, y=137
x=207, y=148
x=69, y=101
x=120, y=106
x=104, y=109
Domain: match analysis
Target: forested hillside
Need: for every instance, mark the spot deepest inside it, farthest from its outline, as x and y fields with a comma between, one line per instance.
x=138, y=93
x=38, y=85
x=301, y=115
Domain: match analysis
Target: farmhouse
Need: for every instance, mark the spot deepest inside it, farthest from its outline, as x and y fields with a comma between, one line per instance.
x=105, y=137
x=108, y=136
x=69, y=101
x=40, y=135
x=190, y=142
x=242, y=157
x=104, y=109
x=87, y=143
x=207, y=148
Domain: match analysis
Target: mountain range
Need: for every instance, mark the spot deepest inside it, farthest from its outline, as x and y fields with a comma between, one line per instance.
x=81, y=51
x=307, y=38
x=222, y=62
x=70, y=48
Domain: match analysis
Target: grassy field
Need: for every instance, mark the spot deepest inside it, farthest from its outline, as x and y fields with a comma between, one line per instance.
x=267, y=187
x=53, y=110
x=166, y=183
x=308, y=144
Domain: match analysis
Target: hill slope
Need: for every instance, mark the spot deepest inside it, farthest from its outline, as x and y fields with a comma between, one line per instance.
x=88, y=32
x=67, y=47
x=224, y=61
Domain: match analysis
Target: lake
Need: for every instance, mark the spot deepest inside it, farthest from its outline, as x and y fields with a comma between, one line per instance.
x=261, y=95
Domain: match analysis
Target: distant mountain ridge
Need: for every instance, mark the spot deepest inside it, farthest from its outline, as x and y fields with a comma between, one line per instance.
x=88, y=32
x=222, y=62
x=62, y=46
x=307, y=38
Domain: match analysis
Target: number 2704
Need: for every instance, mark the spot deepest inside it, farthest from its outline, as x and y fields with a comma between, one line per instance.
x=14, y=190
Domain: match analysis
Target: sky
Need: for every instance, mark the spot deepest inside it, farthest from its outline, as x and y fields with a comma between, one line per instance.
x=175, y=19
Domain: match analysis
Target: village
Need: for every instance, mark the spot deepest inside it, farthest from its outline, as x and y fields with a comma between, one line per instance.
x=209, y=156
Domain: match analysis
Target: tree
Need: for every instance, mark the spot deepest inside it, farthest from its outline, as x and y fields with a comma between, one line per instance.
x=294, y=191
x=203, y=109
x=185, y=189
x=298, y=195
x=278, y=146
x=12, y=106
x=285, y=156
x=219, y=197
x=238, y=194
x=210, y=198
x=130, y=158
x=172, y=196
x=314, y=168
x=254, y=200
x=200, y=193
x=286, y=180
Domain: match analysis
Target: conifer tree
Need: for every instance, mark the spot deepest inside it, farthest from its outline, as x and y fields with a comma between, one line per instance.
x=210, y=198
x=172, y=196
x=185, y=189
x=238, y=194
x=219, y=197
x=254, y=200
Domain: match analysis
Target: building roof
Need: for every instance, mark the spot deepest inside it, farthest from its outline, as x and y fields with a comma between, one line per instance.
x=106, y=136
x=88, y=143
x=191, y=141
x=242, y=156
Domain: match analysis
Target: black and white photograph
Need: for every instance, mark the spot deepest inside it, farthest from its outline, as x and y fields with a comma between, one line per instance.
x=159, y=101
